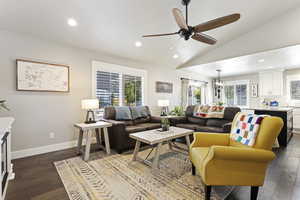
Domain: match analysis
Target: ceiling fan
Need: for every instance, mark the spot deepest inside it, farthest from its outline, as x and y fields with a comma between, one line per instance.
x=196, y=32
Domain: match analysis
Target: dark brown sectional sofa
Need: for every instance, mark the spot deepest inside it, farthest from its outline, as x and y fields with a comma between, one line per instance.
x=119, y=133
x=212, y=125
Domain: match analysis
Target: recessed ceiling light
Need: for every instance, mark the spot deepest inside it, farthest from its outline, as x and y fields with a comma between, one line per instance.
x=175, y=56
x=138, y=44
x=261, y=60
x=270, y=67
x=72, y=22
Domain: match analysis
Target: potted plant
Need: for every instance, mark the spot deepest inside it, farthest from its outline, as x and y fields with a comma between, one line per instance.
x=130, y=93
x=177, y=111
x=3, y=106
x=165, y=124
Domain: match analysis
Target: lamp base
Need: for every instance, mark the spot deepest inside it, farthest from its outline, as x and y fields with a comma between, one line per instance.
x=90, y=122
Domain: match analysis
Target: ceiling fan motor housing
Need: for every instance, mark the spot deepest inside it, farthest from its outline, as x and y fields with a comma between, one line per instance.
x=185, y=2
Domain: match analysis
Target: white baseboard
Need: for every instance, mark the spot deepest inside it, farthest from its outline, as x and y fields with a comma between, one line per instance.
x=45, y=149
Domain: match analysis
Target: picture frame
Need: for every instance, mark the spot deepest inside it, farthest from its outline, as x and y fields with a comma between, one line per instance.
x=254, y=90
x=42, y=77
x=164, y=87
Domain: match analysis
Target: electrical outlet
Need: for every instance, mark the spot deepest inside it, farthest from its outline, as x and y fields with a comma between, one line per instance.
x=52, y=135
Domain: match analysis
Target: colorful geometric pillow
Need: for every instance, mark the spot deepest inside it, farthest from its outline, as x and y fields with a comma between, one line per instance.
x=206, y=111
x=246, y=128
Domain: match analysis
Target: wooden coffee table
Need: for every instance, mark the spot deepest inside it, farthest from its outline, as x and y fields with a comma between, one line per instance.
x=155, y=137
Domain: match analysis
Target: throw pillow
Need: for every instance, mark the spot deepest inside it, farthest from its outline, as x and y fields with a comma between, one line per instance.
x=246, y=128
x=123, y=113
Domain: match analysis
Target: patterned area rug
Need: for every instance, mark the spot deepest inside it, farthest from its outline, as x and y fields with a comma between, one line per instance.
x=116, y=177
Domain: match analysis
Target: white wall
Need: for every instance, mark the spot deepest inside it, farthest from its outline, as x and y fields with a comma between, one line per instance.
x=280, y=32
x=38, y=113
x=254, y=78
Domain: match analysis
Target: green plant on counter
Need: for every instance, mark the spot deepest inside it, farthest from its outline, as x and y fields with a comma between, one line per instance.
x=3, y=105
x=177, y=111
x=220, y=103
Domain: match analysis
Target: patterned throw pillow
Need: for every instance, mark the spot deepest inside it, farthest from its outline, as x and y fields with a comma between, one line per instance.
x=246, y=128
x=206, y=111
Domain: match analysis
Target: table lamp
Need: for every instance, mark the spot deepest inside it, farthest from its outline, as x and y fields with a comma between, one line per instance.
x=89, y=105
x=164, y=104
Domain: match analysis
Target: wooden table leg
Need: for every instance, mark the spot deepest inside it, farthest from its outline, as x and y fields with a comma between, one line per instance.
x=88, y=145
x=170, y=145
x=136, y=150
x=79, y=144
x=107, y=146
x=156, y=158
x=98, y=136
x=188, y=142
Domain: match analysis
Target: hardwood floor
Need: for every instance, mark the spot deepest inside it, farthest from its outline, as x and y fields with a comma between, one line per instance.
x=37, y=179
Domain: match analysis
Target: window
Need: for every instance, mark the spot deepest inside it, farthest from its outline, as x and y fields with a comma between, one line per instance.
x=293, y=89
x=117, y=85
x=194, y=95
x=236, y=93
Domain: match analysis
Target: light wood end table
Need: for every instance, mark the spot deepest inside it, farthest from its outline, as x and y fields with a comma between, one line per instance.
x=88, y=129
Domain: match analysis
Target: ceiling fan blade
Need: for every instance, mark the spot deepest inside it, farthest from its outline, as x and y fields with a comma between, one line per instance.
x=158, y=35
x=217, y=23
x=201, y=37
x=180, y=19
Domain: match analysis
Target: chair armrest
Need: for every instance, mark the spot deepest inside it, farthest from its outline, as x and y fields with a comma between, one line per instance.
x=210, y=139
x=227, y=127
x=155, y=119
x=240, y=154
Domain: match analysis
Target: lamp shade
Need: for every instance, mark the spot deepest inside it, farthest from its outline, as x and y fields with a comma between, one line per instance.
x=88, y=104
x=163, y=103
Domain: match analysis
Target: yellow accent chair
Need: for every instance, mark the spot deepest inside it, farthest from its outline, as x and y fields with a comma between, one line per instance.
x=219, y=160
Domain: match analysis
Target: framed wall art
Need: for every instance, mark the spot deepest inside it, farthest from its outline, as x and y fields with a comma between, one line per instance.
x=42, y=77
x=164, y=87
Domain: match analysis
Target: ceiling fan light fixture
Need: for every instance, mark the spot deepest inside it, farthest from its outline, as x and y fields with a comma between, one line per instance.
x=72, y=22
x=138, y=44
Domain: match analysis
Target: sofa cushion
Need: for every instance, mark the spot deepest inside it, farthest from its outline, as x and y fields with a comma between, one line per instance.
x=109, y=113
x=189, y=126
x=230, y=112
x=189, y=111
x=210, y=129
x=216, y=122
x=139, y=112
x=134, y=129
x=150, y=126
x=123, y=113
x=195, y=120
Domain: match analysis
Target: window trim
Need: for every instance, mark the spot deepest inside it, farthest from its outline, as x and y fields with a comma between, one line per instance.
x=108, y=67
x=234, y=83
x=290, y=78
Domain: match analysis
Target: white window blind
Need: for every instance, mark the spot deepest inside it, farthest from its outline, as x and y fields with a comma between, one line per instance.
x=117, y=89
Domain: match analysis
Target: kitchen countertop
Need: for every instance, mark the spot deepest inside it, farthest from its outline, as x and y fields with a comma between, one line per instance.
x=283, y=109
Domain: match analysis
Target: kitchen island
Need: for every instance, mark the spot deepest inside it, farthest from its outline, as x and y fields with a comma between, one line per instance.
x=286, y=113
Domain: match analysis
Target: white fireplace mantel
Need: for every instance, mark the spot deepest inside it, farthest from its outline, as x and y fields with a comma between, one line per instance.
x=5, y=127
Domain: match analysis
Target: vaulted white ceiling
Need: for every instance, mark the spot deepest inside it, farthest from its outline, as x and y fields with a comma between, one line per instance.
x=114, y=26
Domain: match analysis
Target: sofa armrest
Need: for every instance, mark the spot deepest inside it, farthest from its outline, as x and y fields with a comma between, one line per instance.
x=210, y=139
x=240, y=154
x=227, y=127
x=114, y=122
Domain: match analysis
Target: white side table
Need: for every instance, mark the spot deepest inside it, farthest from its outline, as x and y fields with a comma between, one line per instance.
x=87, y=129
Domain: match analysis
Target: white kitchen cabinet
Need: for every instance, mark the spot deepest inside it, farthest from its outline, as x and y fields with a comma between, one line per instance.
x=296, y=118
x=271, y=83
